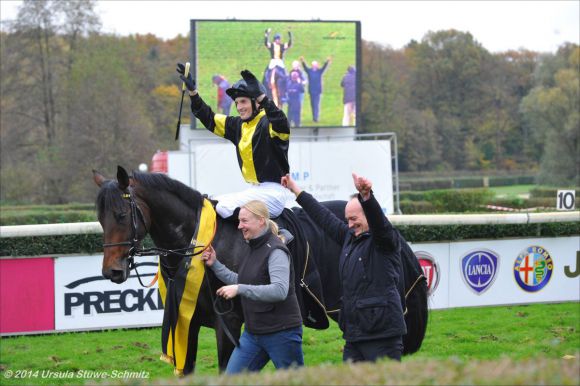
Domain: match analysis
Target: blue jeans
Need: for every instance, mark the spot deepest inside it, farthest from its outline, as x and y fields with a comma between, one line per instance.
x=284, y=348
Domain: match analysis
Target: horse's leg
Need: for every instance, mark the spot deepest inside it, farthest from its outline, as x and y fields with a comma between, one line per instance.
x=274, y=87
x=281, y=88
x=275, y=96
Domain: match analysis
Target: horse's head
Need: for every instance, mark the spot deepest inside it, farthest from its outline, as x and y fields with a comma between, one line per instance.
x=124, y=220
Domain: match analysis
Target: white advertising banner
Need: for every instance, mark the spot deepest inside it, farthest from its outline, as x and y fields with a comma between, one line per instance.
x=179, y=168
x=84, y=299
x=496, y=272
x=215, y=169
x=325, y=169
x=460, y=274
x=434, y=260
x=321, y=168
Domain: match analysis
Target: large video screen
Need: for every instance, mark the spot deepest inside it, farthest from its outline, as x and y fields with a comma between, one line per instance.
x=310, y=68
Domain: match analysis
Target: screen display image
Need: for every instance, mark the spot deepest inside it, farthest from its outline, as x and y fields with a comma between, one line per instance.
x=309, y=68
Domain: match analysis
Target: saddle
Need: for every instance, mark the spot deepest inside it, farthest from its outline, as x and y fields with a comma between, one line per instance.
x=306, y=276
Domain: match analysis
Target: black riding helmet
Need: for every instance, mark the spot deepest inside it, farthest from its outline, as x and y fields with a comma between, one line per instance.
x=240, y=89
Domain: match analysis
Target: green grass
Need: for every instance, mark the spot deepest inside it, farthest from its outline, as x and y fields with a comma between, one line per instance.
x=511, y=191
x=521, y=333
x=46, y=214
x=491, y=332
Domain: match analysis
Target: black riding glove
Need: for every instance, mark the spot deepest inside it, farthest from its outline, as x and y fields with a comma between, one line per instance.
x=253, y=85
x=188, y=80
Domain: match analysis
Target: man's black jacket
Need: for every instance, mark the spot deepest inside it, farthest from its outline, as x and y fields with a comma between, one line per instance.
x=370, y=270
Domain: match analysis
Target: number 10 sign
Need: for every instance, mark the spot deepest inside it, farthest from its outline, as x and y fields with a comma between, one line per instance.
x=566, y=200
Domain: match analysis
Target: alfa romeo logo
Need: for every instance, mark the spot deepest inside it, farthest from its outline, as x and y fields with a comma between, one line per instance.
x=533, y=268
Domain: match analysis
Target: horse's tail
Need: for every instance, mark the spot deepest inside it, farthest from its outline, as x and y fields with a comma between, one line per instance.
x=416, y=296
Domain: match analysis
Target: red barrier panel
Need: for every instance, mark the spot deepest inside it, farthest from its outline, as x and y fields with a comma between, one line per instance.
x=26, y=295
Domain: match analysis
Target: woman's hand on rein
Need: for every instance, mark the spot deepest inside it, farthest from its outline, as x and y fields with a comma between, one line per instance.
x=228, y=291
x=208, y=256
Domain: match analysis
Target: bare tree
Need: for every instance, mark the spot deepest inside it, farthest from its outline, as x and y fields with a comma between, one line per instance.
x=42, y=44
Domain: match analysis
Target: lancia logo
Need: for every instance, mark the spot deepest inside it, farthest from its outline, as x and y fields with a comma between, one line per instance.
x=479, y=269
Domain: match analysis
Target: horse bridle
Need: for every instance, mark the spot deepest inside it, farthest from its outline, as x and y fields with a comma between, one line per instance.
x=134, y=242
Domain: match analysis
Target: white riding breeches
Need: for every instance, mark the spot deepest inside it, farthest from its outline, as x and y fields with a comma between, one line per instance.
x=272, y=194
x=276, y=62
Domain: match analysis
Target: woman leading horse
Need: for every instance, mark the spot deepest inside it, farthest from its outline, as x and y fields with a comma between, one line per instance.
x=265, y=284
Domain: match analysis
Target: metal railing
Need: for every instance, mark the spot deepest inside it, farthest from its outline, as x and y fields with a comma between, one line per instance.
x=408, y=219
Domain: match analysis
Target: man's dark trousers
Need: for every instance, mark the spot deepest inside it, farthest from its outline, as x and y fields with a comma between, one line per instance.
x=315, y=105
x=371, y=350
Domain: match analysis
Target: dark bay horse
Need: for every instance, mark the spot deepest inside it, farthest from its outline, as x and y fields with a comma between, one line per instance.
x=131, y=206
x=275, y=81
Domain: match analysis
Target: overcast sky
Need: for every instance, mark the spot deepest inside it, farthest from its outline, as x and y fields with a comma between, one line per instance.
x=497, y=25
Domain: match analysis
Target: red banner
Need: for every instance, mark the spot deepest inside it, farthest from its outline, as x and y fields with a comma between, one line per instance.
x=26, y=295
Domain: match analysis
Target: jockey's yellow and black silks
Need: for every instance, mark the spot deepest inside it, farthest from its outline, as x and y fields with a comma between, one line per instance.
x=276, y=49
x=261, y=143
x=179, y=295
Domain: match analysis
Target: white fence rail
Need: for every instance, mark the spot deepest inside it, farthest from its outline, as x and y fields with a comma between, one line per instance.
x=415, y=219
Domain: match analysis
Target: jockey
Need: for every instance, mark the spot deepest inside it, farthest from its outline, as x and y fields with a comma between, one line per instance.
x=261, y=136
x=276, y=48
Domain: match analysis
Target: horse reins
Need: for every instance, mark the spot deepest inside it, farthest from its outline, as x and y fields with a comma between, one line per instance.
x=135, y=211
x=133, y=243
x=304, y=285
x=155, y=251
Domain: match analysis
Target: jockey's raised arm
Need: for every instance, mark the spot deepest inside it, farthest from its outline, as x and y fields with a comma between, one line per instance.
x=261, y=135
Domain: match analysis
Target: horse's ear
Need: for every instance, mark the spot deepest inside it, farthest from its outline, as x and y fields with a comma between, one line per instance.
x=122, y=178
x=132, y=178
x=98, y=178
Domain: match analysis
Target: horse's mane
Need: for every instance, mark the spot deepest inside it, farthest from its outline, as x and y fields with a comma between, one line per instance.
x=159, y=181
x=109, y=196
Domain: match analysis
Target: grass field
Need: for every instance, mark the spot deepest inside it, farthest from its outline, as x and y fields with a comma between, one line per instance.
x=512, y=191
x=46, y=214
x=499, y=337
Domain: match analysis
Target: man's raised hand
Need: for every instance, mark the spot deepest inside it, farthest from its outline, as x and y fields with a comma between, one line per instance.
x=363, y=185
x=290, y=184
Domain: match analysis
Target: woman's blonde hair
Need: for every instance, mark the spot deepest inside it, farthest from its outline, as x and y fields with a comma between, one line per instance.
x=259, y=209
